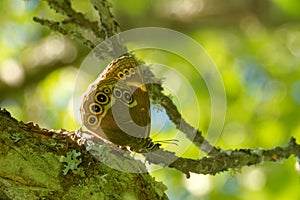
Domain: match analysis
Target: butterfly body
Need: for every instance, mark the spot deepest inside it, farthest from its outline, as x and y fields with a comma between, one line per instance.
x=117, y=106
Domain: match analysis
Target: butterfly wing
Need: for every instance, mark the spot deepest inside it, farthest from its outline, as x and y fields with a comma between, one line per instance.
x=117, y=107
x=126, y=121
x=96, y=102
x=128, y=72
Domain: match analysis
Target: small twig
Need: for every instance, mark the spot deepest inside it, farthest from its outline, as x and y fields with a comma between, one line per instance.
x=56, y=26
x=156, y=95
x=108, y=21
x=76, y=18
x=90, y=33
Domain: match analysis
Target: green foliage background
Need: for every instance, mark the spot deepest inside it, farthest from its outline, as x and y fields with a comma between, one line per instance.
x=255, y=45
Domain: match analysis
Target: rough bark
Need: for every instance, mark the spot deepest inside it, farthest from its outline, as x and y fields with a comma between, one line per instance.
x=34, y=161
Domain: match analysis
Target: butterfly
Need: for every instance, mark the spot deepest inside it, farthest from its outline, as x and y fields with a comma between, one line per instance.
x=117, y=106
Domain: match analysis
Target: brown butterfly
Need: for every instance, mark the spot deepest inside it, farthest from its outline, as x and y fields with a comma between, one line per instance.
x=117, y=106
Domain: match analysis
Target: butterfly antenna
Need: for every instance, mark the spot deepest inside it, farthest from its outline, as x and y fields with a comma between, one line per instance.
x=171, y=141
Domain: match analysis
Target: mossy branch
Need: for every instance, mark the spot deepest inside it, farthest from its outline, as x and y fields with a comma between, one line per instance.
x=225, y=159
x=56, y=26
x=40, y=164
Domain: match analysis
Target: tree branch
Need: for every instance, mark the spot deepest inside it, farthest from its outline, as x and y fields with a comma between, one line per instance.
x=226, y=159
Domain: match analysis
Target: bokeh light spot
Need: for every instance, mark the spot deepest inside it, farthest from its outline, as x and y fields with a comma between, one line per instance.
x=295, y=91
x=234, y=134
x=253, y=179
x=198, y=184
x=12, y=73
x=294, y=43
